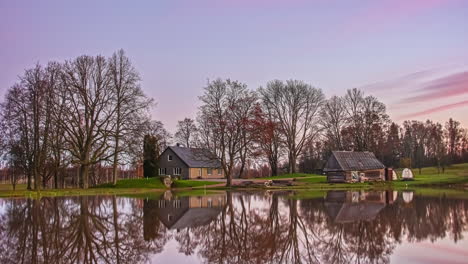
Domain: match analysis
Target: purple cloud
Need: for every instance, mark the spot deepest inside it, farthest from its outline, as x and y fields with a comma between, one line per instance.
x=452, y=85
x=435, y=110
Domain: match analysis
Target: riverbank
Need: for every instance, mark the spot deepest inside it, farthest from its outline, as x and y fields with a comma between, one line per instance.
x=123, y=187
x=454, y=177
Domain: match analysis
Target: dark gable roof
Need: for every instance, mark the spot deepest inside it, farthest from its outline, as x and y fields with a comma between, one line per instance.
x=196, y=157
x=353, y=212
x=352, y=161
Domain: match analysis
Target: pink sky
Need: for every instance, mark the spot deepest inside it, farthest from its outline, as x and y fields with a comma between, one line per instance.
x=411, y=54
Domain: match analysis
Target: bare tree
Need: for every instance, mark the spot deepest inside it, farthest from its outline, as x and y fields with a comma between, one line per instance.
x=367, y=119
x=186, y=130
x=267, y=137
x=224, y=115
x=88, y=116
x=333, y=119
x=296, y=106
x=130, y=101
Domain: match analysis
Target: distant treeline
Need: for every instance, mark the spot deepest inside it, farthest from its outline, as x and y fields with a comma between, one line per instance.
x=91, y=112
x=292, y=126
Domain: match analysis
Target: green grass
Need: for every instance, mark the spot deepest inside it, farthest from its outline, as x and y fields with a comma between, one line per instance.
x=190, y=183
x=154, y=183
x=147, y=183
x=125, y=187
x=454, y=176
x=9, y=187
x=71, y=192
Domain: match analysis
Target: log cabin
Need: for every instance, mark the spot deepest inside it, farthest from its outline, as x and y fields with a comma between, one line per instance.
x=351, y=166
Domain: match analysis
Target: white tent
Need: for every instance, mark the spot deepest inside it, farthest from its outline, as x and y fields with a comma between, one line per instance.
x=407, y=174
x=408, y=197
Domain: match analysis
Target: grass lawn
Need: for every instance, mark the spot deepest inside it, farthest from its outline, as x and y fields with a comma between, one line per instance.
x=190, y=183
x=127, y=187
x=154, y=183
x=453, y=175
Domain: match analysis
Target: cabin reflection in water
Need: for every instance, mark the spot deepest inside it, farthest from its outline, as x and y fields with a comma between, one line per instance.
x=352, y=206
x=183, y=212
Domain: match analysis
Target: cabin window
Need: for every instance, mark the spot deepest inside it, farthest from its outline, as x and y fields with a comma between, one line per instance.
x=162, y=171
x=209, y=171
x=176, y=203
x=199, y=172
x=177, y=171
x=220, y=171
x=169, y=157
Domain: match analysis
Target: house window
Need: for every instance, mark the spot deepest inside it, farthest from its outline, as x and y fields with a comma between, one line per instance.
x=209, y=171
x=169, y=157
x=220, y=171
x=162, y=171
x=177, y=171
x=199, y=172
x=176, y=203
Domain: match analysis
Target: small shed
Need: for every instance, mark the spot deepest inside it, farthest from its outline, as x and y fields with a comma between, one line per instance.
x=351, y=166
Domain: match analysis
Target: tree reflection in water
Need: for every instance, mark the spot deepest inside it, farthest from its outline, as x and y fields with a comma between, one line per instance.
x=343, y=227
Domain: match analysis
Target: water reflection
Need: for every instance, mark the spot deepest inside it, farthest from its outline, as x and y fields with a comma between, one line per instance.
x=342, y=227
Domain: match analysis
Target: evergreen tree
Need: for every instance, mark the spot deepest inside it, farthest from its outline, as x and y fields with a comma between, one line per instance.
x=150, y=156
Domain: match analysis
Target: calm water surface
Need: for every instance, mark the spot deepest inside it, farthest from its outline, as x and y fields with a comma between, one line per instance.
x=259, y=227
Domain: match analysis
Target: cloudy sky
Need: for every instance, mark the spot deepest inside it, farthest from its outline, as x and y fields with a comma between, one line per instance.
x=411, y=54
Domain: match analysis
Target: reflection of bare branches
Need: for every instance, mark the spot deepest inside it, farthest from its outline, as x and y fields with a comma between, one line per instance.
x=251, y=228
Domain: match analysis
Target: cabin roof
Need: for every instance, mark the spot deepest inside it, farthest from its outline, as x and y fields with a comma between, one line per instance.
x=352, y=161
x=196, y=157
x=351, y=212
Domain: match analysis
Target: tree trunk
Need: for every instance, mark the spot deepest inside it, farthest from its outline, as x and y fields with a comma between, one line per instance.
x=116, y=154
x=116, y=229
x=84, y=170
x=37, y=185
x=56, y=179
x=243, y=160
x=228, y=180
x=115, y=168
x=274, y=167
x=292, y=162
x=29, y=181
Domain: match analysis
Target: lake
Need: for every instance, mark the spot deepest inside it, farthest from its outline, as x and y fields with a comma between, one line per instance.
x=237, y=227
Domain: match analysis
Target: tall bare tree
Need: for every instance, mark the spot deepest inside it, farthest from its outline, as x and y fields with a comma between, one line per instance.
x=88, y=116
x=333, y=119
x=267, y=137
x=367, y=119
x=130, y=102
x=296, y=106
x=225, y=114
x=186, y=130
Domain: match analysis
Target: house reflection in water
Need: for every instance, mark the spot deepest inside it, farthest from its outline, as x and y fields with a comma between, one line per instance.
x=353, y=206
x=181, y=212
